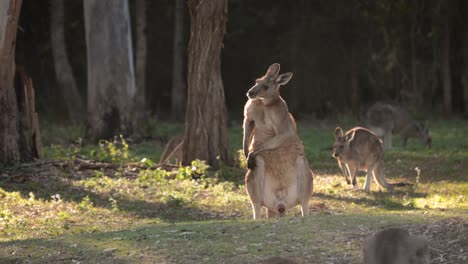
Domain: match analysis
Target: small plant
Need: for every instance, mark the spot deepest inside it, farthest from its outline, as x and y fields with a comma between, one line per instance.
x=197, y=170
x=173, y=201
x=115, y=151
x=149, y=176
x=86, y=204
x=241, y=159
x=114, y=205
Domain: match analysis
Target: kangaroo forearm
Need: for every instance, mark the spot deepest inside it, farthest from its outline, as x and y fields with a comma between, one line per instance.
x=274, y=142
x=248, y=127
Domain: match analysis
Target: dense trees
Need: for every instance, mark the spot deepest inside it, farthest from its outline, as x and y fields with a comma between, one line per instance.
x=344, y=55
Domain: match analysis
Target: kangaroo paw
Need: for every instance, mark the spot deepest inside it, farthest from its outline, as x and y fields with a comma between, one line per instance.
x=251, y=163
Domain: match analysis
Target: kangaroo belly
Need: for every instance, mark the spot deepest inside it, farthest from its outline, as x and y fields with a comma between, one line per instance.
x=281, y=181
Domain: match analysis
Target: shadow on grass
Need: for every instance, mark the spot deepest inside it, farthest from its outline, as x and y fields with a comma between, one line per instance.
x=27, y=181
x=58, y=251
x=388, y=201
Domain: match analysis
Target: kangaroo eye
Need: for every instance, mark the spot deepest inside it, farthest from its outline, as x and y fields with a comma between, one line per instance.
x=265, y=87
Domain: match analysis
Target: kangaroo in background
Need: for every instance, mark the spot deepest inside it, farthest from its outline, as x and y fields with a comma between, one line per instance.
x=395, y=246
x=359, y=149
x=385, y=119
x=278, y=175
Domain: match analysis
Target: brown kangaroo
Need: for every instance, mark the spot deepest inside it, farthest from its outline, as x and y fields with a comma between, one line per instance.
x=360, y=149
x=278, y=175
x=395, y=246
x=386, y=119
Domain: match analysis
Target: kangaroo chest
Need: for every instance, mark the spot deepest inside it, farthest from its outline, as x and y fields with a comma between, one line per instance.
x=267, y=119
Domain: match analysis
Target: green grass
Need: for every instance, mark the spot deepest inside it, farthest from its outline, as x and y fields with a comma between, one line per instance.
x=52, y=212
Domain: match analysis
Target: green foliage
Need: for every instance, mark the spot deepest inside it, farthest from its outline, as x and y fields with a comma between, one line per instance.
x=150, y=176
x=115, y=151
x=172, y=201
x=86, y=204
x=197, y=170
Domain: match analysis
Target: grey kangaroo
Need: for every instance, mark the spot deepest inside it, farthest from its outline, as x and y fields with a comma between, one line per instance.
x=395, y=246
x=359, y=149
x=278, y=175
x=386, y=119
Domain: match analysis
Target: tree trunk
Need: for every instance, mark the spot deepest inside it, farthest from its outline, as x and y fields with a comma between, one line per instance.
x=206, y=135
x=9, y=16
x=445, y=66
x=465, y=62
x=140, y=63
x=111, y=77
x=178, y=79
x=417, y=99
x=354, y=85
x=63, y=70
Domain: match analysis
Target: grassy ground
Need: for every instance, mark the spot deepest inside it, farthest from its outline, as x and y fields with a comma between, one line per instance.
x=54, y=212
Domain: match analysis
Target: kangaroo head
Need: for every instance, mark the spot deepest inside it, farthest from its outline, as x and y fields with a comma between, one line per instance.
x=342, y=142
x=267, y=87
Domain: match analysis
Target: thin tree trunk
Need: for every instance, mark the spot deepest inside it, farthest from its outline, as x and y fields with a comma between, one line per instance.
x=9, y=16
x=206, y=135
x=414, y=73
x=111, y=77
x=465, y=62
x=178, y=79
x=140, y=63
x=445, y=66
x=63, y=70
x=355, y=91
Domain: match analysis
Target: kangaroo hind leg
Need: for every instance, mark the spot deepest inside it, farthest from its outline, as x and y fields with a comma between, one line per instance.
x=254, y=183
x=305, y=184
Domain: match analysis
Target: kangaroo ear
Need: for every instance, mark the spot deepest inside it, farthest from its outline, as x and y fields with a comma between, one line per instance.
x=273, y=70
x=338, y=132
x=351, y=137
x=284, y=78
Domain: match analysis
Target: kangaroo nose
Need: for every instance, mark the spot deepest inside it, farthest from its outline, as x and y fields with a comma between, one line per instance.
x=250, y=94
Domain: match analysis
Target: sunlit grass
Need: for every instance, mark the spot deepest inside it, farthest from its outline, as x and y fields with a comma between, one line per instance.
x=208, y=212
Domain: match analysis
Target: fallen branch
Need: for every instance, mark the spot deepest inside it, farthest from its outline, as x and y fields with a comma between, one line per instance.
x=84, y=164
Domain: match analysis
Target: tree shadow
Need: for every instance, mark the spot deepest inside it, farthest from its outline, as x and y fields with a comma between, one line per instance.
x=26, y=181
x=379, y=199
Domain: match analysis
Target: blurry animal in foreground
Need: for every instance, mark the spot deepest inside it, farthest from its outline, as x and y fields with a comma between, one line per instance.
x=173, y=150
x=278, y=175
x=277, y=260
x=386, y=119
x=361, y=150
x=395, y=246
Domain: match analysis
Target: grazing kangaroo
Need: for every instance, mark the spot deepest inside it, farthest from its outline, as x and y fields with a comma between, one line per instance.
x=395, y=246
x=361, y=150
x=385, y=119
x=173, y=150
x=278, y=175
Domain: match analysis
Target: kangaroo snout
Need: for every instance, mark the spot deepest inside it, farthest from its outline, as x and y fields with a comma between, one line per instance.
x=251, y=94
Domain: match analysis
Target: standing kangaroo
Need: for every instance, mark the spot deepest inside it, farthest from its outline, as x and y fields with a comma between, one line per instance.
x=360, y=149
x=385, y=119
x=278, y=175
x=395, y=246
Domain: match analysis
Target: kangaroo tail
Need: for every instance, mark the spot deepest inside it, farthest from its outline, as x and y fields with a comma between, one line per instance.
x=380, y=179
